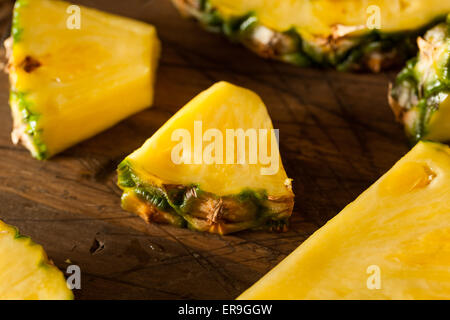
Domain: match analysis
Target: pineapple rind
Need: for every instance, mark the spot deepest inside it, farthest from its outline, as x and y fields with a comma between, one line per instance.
x=16, y=30
x=44, y=264
x=374, y=50
x=29, y=119
x=420, y=94
x=18, y=99
x=179, y=202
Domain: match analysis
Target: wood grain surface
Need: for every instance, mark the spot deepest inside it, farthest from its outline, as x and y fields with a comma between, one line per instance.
x=337, y=136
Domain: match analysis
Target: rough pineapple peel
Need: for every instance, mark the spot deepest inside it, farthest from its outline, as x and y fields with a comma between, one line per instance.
x=69, y=83
x=347, y=35
x=420, y=95
x=215, y=189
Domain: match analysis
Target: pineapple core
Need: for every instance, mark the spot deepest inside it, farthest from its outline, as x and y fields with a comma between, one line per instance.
x=392, y=242
x=75, y=72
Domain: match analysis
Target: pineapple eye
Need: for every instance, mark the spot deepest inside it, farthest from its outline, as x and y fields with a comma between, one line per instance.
x=409, y=177
x=29, y=64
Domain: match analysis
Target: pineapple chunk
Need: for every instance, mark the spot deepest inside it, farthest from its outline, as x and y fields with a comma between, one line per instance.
x=420, y=97
x=218, y=197
x=392, y=242
x=25, y=271
x=68, y=84
x=348, y=35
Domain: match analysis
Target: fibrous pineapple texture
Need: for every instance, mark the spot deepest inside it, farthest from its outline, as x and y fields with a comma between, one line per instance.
x=74, y=76
x=25, y=271
x=347, y=35
x=219, y=196
x=420, y=96
x=392, y=242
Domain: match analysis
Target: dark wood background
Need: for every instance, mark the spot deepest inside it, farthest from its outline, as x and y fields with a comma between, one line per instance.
x=337, y=136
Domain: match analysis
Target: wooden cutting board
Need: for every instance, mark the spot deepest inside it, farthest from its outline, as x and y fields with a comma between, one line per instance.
x=337, y=136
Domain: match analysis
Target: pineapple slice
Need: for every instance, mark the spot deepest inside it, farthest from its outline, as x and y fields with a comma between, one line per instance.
x=348, y=35
x=420, y=97
x=68, y=84
x=219, y=196
x=393, y=242
x=25, y=271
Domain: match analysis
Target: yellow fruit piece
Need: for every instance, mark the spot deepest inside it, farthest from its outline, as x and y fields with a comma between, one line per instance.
x=224, y=194
x=348, y=35
x=25, y=271
x=223, y=106
x=320, y=17
x=70, y=83
x=392, y=242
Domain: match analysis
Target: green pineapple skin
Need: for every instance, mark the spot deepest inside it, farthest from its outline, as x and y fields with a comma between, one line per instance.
x=30, y=120
x=399, y=45
x=418, y=93
x=18, y=99
x=180, y=201
x=16, y=29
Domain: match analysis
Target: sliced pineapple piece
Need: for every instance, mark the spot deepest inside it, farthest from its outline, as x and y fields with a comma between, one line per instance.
x=221, y=196
x=348, y=35
x=68, y=84
x=25, y=271
x=392, y=242
x=420, y=97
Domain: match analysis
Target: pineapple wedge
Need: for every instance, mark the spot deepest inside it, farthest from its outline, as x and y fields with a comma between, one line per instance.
x=217, y=197
x=68, y=84
x=393, y=242
x=420, y=96
x=347, y=35
x=25, y=271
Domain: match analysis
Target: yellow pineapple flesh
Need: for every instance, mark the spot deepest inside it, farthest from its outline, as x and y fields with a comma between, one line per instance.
x=218, y=196
x=71, y=81
x=392, y=242
x=25, y=271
